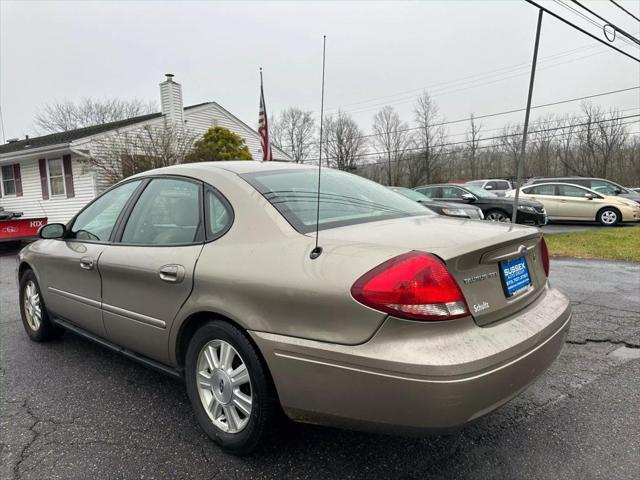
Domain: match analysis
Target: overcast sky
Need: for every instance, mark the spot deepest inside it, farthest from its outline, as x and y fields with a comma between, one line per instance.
x=472, y=56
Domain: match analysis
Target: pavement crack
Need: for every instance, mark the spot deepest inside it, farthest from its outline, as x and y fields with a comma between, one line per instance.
x=22, y=455
x=576, y=303
x=603, y=340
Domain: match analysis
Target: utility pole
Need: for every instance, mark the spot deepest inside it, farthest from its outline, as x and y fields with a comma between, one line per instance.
x=520, y=159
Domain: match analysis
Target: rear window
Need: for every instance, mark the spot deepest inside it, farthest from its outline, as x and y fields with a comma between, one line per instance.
x=345, y=199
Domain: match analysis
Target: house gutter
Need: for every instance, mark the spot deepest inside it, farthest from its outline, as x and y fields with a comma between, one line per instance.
x=33, y=152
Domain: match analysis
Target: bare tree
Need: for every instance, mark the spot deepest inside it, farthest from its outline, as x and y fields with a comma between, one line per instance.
x=564, y=144
x=543, y=145
x=430, y=136
x=391, y=141
x=294, y=133
x=511, y=143
x=127, y=152
x=68, y=115
x=473, y=141
x=343, y=142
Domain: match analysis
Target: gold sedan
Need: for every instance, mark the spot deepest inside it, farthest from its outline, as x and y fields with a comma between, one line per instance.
x=564, y=201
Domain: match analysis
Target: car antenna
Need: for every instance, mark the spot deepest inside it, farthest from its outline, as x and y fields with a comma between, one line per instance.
x=317, y=250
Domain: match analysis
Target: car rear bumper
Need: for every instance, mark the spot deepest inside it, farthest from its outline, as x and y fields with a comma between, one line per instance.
x=417, y=377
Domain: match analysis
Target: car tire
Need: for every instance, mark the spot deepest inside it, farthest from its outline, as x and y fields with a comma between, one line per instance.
x=35, y=319
x=211, y=381
x=497, y=216
x=609, y=217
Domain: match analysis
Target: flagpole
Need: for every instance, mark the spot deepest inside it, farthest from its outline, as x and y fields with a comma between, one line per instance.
x=263, y=127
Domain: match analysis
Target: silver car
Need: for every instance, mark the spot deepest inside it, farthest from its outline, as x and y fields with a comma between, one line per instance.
x=392, y=319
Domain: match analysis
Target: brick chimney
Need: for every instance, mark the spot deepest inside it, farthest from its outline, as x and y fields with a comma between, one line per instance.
x=171, y=101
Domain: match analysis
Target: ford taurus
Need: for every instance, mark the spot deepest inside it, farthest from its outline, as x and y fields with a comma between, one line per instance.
x=401, y=321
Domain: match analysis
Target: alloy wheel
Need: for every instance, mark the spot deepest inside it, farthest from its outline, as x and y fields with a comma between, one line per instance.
x=224, y=386
x=609, y=217
x=498, y=217
x=32, y=306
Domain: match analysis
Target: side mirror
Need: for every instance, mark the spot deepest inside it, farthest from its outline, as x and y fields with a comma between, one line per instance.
x=617, y=191
x=467, y=197
x=590, y=196
x=488, y=187
x=52, y=231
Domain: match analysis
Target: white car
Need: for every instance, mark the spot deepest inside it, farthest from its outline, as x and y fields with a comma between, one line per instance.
x=497, y=185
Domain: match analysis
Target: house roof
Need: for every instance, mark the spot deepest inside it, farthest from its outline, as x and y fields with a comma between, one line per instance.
x=71, y=135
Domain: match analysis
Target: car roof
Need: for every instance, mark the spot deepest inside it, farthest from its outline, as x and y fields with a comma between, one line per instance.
x=233, y=166
x=488, y=180
x=582, y=187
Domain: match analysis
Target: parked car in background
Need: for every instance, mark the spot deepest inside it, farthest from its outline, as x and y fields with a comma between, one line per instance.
x=209, y=272
x=635, y=189
x=448, y=209
x=498, y=209
x=599, y=185
x=495, y=185
x=564, y=201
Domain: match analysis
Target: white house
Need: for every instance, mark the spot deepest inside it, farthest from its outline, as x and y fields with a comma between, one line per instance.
x=49, y=176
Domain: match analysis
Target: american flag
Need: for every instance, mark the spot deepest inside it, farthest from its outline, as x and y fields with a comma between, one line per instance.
x=263, y=127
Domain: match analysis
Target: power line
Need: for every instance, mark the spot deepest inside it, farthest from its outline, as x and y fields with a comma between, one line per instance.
x=555, y=15
x=481, y=80
x=466, y=79
x=489, y=115
x=625, y=10
x=497, y=137
x=448, y=91
x=607, y=22
x=590, y=20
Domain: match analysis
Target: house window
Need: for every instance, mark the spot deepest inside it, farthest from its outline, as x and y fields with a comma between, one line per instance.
x=8, y=180
x=56, y=177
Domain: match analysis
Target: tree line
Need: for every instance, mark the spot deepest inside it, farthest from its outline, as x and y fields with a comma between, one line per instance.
x=593, y=142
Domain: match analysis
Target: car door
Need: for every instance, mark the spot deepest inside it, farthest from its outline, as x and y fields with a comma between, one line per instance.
x=431, y=192
x=450, y=193
x=147, y=274
x=573, y=203
x=67, y=268
x=546, y=195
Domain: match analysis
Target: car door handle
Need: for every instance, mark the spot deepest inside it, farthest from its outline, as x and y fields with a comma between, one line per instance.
x=86, y=263
x=171, y=273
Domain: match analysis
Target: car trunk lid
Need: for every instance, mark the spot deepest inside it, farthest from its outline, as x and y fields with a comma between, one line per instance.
x=474, y=252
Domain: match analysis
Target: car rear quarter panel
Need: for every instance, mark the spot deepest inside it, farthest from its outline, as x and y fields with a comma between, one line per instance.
x=260, y=276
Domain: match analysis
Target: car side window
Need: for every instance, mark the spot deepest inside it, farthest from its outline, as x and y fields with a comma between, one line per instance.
x=452, y=192
x=570, y=191
x=167, y=213
x=542, y=190
x=218, y=214
x=502, y=185
x=602, y=187
x=429, y=191
x=96, y=222
x=493, y=185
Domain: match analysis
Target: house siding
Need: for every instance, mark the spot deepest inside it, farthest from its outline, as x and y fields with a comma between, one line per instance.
x=56, y=209
x=202, y=119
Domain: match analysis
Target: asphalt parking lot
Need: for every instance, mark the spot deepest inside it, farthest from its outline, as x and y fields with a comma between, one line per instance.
x=72, y=410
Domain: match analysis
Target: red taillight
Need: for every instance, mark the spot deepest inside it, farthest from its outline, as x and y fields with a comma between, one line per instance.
x=415, y=285
x=544, y=252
